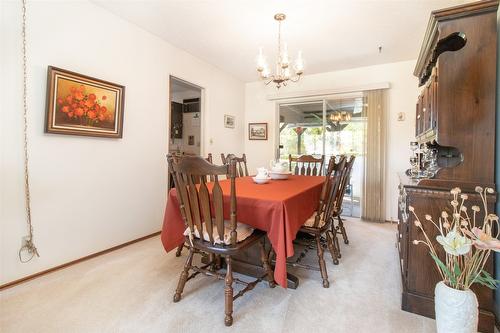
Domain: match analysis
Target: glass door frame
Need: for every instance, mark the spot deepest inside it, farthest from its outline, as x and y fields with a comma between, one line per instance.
x=307, y=100
x=298, y=102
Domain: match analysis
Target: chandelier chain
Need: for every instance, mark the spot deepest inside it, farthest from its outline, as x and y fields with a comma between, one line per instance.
x=279, y=41
x=28, y=245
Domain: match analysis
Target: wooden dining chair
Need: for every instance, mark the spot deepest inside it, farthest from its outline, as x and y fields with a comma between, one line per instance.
x=208, y=232
x=340, y=228
x=319, y=223
x=241, y=164
x=211, y=177
x=307, y=165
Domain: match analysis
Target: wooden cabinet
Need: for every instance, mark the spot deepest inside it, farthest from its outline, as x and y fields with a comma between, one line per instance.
x=426, y=111
x=402, y=231
x=456, y=115
x=418, y=271
x=176, y=120
x=192, y=105
x=418, y=117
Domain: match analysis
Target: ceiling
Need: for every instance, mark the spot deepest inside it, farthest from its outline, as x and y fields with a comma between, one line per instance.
x=333, y=34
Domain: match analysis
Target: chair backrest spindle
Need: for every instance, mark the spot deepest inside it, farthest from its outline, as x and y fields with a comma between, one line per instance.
x=329, y=190
x=202, y=205
x=345, y=181
x=241, y=163
x=307, y=165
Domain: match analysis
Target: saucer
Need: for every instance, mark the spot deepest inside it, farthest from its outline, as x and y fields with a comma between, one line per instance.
x=260, y=180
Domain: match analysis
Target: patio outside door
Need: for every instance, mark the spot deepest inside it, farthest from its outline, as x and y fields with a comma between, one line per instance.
x=312, y=128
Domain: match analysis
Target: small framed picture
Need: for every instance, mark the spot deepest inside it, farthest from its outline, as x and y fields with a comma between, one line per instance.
x=228, y=121
x=82, y=105
x=257, y=131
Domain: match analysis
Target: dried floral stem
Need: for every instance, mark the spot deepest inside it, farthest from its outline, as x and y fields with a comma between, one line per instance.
x=466, y=245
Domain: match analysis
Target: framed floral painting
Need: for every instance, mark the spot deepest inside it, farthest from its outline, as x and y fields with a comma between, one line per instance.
x=83, y=105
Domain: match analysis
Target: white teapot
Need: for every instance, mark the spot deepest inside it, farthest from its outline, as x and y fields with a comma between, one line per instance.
x=262, y=173
x=279, y=166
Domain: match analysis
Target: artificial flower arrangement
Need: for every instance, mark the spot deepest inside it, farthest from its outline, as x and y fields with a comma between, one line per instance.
x=466, y=242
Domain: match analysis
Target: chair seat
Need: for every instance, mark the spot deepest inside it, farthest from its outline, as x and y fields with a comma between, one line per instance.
x=224, y=249
x=243, y=231
x=310, y=221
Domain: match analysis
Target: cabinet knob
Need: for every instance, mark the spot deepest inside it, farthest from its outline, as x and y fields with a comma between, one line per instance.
x=424, y=109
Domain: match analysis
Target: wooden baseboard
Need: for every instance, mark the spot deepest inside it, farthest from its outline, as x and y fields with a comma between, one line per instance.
x=93, y=255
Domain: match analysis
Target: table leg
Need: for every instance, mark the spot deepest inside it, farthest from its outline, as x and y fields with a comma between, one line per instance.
x=256, y=270
x=249, y=263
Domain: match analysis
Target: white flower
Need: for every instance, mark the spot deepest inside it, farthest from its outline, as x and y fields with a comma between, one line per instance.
x=428, y=217
x=411, y=209
x=455, y=190
x=454, y=203
x=464, y=196
x=463, y=209
x=415, y=242
x=479, y=189
x=492, y=217
x=418, y=224
x=464, y=223
x=444, y=214
x=475, y=208
x=455, y=244
x=446, y=225
x=490, y=190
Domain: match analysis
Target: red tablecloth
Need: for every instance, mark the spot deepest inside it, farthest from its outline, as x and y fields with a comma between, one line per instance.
x=279, y=207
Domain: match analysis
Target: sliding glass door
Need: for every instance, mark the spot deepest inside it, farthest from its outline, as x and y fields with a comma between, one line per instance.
x=301, y=129
x=331, y=126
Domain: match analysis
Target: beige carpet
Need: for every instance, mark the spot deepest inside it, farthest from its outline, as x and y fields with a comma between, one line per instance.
x=130, y=290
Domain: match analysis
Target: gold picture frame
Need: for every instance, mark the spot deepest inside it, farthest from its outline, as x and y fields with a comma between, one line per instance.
x=82, y=105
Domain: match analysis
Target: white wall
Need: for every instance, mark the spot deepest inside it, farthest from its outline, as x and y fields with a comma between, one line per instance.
x=89, y=194
x=401, y=98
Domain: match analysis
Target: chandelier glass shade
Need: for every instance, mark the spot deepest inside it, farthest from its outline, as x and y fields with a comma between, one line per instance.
x=340, y=117
x=284, y=67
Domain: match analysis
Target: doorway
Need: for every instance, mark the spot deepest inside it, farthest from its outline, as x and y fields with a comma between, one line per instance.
x=185, y=117
x=185, y=114
x=330, y=126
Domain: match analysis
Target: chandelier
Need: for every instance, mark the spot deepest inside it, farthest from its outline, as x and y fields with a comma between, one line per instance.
x=283, y=73
x=340, y=117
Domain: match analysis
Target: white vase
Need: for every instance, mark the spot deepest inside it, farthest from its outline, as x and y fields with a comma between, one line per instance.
x=456, y=310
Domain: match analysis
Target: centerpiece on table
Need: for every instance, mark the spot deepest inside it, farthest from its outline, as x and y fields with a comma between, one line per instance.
x=467, y=244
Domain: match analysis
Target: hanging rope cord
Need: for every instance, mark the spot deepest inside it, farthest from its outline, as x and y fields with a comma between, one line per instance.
x=28, y=249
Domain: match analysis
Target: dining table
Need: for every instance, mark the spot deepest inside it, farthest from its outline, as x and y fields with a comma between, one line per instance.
x=278, y=207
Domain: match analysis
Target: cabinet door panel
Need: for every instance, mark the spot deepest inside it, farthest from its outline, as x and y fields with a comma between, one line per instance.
x=434, y=109
x=418, y=121
x=422, y=273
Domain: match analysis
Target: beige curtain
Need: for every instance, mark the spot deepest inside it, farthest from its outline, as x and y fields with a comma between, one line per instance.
x=373, y=198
